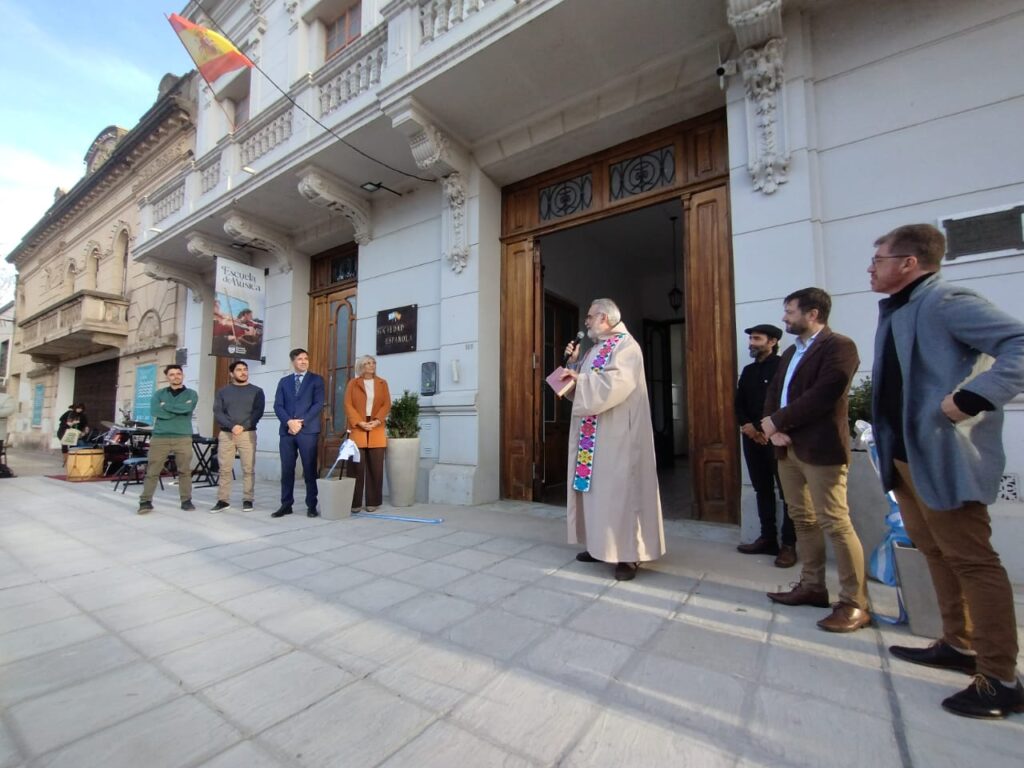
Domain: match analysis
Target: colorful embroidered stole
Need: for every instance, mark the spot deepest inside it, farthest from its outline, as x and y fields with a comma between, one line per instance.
x=588, y=425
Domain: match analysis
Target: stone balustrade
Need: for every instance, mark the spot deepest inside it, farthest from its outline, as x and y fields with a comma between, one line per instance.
x=84, y=323
x=274, y=133
x=439, y=16
x=169, y=204
x=355, y=70
x=209, y=176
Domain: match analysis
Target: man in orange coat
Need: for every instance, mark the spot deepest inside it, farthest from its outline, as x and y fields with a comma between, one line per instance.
x=367, y=403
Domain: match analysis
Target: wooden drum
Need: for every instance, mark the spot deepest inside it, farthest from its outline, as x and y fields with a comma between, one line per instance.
x=85, y=463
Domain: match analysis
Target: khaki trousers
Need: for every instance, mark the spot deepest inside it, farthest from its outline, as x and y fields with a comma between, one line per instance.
x=159, y=449
x=245, y=444
x=817, y=505
x=973, y=590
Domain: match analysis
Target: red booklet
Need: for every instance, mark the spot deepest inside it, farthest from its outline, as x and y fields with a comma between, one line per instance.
x=558, y=384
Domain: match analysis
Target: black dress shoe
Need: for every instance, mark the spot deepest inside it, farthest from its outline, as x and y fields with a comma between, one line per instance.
x=586, y=557
x=626, y=571
x=284, y=509
x=938, y=654
x=987, y=699
x=759, y=546
x=311, y=512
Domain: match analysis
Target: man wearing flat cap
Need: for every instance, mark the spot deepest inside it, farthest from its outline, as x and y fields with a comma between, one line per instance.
x=763, y=343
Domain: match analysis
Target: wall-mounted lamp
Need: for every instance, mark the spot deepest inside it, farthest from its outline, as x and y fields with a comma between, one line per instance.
x=373, y=186
x=155, y=230
x=248, y=169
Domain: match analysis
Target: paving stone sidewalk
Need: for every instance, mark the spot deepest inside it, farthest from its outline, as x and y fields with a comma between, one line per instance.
x=183, y=639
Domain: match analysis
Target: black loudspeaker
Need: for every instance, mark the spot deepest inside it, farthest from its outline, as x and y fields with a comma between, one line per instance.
x=181, y=356
x=428, y=379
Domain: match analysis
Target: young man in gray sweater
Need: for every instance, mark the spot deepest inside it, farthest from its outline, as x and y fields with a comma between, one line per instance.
x=237, y=408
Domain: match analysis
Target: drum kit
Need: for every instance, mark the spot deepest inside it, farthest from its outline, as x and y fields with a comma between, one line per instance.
x=122, y=441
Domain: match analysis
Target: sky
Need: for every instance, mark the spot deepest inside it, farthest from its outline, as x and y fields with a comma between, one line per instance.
x=69, y=69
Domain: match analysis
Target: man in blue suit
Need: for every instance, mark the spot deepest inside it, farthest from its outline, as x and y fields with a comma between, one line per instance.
x=297, y=403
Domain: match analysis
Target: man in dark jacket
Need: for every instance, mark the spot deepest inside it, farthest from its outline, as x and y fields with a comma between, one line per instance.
x=807, y=422
x=758, y=452
x=237, y=409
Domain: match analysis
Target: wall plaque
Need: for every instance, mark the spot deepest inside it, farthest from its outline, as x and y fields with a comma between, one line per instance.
x=995, y=233
x=396, y=330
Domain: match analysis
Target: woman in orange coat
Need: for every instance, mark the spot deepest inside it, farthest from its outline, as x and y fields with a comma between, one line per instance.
x=367, y=403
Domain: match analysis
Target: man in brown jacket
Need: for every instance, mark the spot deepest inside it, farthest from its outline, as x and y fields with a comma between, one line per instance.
x=807, y=422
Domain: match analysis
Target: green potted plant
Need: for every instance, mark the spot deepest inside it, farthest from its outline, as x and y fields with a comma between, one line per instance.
x=403, y=452
x=860, y=403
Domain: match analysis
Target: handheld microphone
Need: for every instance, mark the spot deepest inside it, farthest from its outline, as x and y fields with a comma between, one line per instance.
x=579, y=338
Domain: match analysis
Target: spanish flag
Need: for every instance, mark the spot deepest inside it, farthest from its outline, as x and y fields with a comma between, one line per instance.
x=213, y=54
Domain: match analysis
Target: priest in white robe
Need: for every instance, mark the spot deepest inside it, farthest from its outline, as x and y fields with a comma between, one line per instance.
x=614, y=508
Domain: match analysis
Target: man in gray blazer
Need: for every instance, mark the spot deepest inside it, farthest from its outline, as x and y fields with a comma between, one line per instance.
x=938, y=423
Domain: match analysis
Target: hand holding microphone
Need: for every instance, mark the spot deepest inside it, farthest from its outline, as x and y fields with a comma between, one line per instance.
x=572, y=349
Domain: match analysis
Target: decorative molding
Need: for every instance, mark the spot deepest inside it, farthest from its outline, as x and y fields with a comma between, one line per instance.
x=325, y=191
x=767, y=148
x=432, y=149
x=453, y=222
x=755, y=22
x=205, y=248
x=201, y=292
x=262, y=238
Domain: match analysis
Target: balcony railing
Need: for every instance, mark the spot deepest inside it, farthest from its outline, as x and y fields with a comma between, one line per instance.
x=354, y=71
x=439, y=16
x=86, y=322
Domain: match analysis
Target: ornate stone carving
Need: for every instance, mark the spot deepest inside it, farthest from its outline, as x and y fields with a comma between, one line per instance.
x=149, y=325
x=432, y=149
x=768, y=154
x=204, y=248
x=325, y=191
x=195, y=282
x=262, y=238
x=453, y=219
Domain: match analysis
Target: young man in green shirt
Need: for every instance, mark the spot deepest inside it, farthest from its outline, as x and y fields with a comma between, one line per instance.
x=172, y=409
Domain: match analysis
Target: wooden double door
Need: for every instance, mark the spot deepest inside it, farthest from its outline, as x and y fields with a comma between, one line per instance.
x=699, y=181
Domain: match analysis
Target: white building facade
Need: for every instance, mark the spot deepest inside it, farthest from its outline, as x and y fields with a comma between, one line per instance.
x=760, y=146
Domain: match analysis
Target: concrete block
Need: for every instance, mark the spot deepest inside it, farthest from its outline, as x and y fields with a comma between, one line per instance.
x=436, y=676
x=221, y=657
x=618, y=739
x=297, y=570
x=482, y=588
x=267, y=602
x=579, y=660
x=544, y=604
x=265, y=557
x=221, y=590
x=62, y=667
x=503, y=545
x=149, y=609
x=432, y=575
x=617, y=621
x=30, y=614
x=60, y=717
x=444, y=745
x=677, y=691
x=168, y=635
x=519, y=569
x=496, y=633
x=42, y=638
x=378, y=594
x=432, y=612
x=714, y=646
x=375, y=724
x=522, y=711
x=353, y=553
x=308, y=624
x=855, y=682
x=365, y=647
x=276, y=689
x=471, y=559
x=335, y=580
x=387, y=563
x=179, y=734
x=243, y=755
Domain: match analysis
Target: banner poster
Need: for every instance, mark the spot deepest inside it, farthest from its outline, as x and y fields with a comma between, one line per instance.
x=238, y=310
x=145, y=386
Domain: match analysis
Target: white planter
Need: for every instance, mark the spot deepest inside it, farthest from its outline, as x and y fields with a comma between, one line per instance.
x=402, y=463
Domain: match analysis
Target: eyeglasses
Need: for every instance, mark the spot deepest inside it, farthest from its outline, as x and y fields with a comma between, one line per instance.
x=876, y=259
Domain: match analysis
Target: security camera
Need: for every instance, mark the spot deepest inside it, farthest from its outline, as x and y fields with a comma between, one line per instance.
x=726, y=68
x=720, y=71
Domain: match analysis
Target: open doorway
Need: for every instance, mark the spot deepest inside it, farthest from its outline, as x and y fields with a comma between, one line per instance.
x=635, y=259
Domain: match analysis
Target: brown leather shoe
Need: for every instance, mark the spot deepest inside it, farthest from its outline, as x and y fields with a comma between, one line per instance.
x=787, y=556
x=759, y=546
x=802, y=595
x=845, y=618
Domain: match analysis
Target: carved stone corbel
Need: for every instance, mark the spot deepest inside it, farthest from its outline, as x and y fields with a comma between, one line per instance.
x=432, y=149
x=326, y=191
x=758, y=28
x=263, y=238
x=201, y=292
x=453, y=223
x=206, y=249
